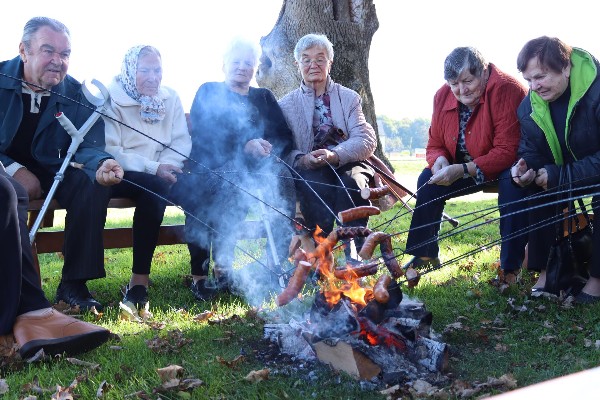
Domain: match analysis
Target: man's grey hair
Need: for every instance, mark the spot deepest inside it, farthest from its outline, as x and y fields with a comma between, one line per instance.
x=464, y=58
x=35, y=23
x=239, y=45
x=313, y=40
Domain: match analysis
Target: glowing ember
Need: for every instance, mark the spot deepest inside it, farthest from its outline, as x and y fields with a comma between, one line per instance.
x=376, y=335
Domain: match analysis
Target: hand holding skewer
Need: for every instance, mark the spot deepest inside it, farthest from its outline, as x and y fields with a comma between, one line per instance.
x=258, y=148
x=109, y=173
x=522, y=175
x=168, y=172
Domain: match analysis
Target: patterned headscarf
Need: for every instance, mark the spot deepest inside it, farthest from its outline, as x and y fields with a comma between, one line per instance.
x=153, y=108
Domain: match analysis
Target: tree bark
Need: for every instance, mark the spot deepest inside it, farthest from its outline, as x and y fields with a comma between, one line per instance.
x=349, y=25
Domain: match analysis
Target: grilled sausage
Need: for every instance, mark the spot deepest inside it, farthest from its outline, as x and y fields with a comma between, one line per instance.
x=357, y=213
x=380, y=289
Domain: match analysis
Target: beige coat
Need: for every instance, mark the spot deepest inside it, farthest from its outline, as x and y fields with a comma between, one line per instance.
x=136, y=151
x=298, y=108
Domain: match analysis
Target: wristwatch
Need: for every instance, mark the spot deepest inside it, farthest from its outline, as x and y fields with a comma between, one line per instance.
x=466, y=171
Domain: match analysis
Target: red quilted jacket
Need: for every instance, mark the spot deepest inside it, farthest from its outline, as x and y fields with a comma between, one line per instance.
x=492, y=133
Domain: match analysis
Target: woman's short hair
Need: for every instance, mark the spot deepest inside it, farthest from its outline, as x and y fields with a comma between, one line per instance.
x=35, y=23
x=313, y=40
x=241, y=45
x=551, y=52
x=464, y=58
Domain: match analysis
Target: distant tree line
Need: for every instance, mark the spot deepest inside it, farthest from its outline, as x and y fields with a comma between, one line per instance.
x=404, y=134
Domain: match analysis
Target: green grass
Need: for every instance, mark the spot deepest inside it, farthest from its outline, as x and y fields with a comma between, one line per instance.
x=500, y=332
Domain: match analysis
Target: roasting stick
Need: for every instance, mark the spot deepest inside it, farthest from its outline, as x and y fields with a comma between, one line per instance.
x=386, y=177
x=76, y=139
x=270, y=240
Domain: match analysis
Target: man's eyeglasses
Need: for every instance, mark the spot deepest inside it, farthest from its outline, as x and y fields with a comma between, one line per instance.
x=319, y=61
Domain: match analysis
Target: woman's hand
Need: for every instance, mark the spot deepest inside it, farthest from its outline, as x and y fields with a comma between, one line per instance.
x=258, y=148
x=447, y=175
x=440, y=163
x=168, y=172
x=541, y=178
x=521, y=174
x=109, y=173
x=325, y=156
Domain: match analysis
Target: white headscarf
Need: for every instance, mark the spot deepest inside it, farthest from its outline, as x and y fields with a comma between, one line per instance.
x=152, y=107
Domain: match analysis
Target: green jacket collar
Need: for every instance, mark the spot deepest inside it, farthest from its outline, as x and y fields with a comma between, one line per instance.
x=583, y=73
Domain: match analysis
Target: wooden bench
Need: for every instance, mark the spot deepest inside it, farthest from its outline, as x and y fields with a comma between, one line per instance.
x=114, y=238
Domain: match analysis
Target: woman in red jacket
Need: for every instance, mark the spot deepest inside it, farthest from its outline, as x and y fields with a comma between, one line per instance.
x=473, y=139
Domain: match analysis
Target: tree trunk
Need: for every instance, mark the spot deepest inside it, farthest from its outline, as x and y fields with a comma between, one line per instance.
x=349, y=25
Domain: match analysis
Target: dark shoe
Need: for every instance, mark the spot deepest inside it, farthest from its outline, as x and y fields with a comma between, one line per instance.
x=418, y=263
x=201, y=292
x=76, y=293
x=584, y=298
x=56, y=333
x=223, y=280
x=135, y=305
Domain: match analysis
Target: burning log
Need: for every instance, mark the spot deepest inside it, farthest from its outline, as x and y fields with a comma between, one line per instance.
x=357, y=213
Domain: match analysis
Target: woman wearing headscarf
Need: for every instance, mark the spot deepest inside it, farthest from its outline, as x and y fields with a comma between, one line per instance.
x=146, y=131
x=331, y=136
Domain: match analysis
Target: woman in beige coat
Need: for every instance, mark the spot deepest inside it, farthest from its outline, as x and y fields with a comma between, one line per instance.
x=331, y=137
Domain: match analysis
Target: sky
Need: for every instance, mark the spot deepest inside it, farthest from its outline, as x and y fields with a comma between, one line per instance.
x=406, y=56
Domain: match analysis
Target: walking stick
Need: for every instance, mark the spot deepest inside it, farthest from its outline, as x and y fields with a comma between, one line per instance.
x=387, y=177
x=76, y=139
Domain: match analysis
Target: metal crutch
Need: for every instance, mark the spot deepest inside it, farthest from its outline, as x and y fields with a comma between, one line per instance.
x=76, y=139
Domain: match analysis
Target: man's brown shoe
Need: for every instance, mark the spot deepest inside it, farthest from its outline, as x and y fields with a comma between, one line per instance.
x=56, y=333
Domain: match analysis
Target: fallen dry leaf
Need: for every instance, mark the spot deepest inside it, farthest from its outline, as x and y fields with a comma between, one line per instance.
x=170, y=372
x=501, y=347
x=170, y=384
x=233, y=363
x=8, y=346
x=62, y=393
x=33, y=386
x=203, y=316
x=86, y=364
x=455, y=326
x=169, y=344
x=190, y=383
x=390, y=390
x=547, y=339
x=257, y=376
x=103, y=388
x=422, y=388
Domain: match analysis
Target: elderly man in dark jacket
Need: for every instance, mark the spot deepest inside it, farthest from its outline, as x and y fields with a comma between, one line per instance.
x=34, y=87
x=25, y=315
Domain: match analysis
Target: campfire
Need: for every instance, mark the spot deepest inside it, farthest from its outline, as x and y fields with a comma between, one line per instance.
x=358, y=323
